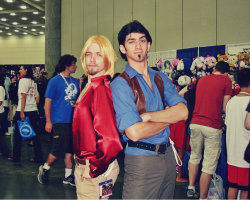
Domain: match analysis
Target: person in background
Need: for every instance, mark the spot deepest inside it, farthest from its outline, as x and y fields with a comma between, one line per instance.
x=4, y=149
x=28, y=97
x=96, y=140
x=42, y=83
x=237, y=138
x=212, y=94
x=150, y=165
x=13, y=97
x=60, y=97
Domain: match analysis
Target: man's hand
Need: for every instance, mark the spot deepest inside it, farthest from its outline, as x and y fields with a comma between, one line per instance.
x=48, y=127
x=145, y=117
x=22, y=116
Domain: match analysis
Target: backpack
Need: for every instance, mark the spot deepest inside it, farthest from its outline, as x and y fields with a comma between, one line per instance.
x=189, y=96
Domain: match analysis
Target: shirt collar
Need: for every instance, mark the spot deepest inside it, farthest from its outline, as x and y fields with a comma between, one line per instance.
x=132, y=72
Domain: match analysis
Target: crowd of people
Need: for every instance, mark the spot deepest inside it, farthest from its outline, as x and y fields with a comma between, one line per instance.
x=91, y=122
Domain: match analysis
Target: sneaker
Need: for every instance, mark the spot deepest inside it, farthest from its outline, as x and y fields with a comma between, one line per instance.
x=43, y=175
x=191, y=194
x=70, y=180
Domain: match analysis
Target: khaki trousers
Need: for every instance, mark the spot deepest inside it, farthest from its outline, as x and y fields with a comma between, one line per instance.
x=89, y=188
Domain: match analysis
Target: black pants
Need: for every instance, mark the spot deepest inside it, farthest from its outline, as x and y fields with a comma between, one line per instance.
x=4, y=149
x=5, y=120
x=17, y=147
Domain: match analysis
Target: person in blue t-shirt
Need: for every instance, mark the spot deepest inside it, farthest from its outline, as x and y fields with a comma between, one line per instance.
x=60, y=97
x=150, y=166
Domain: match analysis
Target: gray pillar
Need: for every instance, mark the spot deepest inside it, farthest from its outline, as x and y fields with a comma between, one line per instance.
x=52, y=34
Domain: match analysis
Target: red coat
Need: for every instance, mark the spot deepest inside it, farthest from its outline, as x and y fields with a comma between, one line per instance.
x=95, y=136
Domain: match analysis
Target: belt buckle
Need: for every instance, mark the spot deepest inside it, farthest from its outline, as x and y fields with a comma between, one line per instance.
x=157, y=147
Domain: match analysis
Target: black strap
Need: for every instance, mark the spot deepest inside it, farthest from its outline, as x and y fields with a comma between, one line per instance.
x=158, y=148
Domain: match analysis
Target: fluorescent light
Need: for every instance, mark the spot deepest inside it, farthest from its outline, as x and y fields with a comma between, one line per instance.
x=3, y=19
x=23, y=7
x=43, y=17
x=25, y=33
x=25, y=27
x=16, y=31
x=43, y=26
x=14, y=23
x=35, y=12
x=1, y=31
x=24, y=18
x=12, y=14
x=34, y=22
x=41, y=32
x=1, y=8
x=9, y=1
x=9, y=33
x=33, y=29
x=7, y=28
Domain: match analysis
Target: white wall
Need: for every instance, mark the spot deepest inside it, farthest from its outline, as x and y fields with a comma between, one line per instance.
x=22, y=50
x=173, y=24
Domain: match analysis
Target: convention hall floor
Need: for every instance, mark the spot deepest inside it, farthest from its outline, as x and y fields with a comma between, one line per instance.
x=19, y=180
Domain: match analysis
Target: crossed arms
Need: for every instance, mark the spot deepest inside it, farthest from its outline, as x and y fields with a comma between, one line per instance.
x=155, y=122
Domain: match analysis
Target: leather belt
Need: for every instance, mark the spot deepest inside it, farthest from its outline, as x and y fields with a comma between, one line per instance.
x=158, y=148
x=79, y=161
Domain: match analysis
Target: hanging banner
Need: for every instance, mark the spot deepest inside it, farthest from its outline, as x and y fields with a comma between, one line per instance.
x=236, y=48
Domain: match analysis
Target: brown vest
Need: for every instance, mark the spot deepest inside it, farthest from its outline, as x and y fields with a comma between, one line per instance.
x=139, y=96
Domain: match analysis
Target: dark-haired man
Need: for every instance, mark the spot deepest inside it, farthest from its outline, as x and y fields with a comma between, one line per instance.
x=212, y=94
x=60, y=97
x=150, y=171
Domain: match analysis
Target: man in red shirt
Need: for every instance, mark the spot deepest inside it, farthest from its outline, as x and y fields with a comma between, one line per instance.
x=212, y=94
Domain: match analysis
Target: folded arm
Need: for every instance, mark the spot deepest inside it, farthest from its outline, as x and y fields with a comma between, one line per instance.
x=170, y=115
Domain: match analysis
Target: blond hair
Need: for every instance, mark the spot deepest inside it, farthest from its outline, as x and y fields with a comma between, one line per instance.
x=107, y=52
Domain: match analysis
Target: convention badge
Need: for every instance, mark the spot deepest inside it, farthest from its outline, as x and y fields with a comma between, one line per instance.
x=105, y=189
x=73, y=103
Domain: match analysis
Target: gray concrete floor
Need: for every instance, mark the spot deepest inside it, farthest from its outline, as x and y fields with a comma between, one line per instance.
x=19, y=180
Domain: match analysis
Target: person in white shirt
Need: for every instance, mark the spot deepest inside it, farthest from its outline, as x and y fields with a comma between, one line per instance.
x=28, y=97
x=237, y=138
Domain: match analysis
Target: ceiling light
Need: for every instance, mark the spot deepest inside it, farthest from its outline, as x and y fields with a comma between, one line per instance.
x=36, y=13
x=9, y=1
x=24, y=18
x=25, y=27
x=1, y=8
x=41, y=32
x=9, y=33
x=43, y=26
x=12, y=14
x=25, y=33
x=16, y=31
x=14, y=23
x=34, y=22
x=43, y=17
x=3, y=19
x=23, y=7
x=37, y=0
x=7, y=28
x=33, y=29
x=1, y=31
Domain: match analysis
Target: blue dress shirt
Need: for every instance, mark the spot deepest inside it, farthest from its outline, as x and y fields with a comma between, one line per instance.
x=126, y=110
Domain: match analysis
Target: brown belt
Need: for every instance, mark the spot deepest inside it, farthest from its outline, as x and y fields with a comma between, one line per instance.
x=79, y=161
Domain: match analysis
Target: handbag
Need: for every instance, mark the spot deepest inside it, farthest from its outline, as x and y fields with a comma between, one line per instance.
x=25, y=129
x=247, y=153
x=216, y=189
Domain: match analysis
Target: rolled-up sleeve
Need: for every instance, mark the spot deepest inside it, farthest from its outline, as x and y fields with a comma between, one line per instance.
x=124, y=104
x=171, y=95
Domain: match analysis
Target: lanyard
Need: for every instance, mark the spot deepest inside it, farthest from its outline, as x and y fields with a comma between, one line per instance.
x=65, y=80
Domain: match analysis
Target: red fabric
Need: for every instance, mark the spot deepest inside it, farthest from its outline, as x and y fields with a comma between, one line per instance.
x=95, y=136
x=238, y=175
x=210, y=94
x=178, y=135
